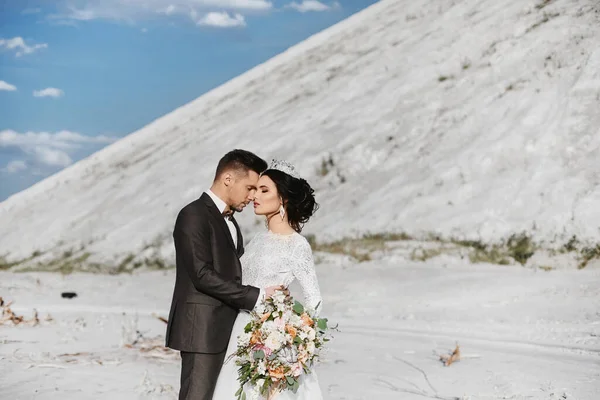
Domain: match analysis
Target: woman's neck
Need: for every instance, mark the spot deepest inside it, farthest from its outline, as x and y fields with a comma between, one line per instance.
x=276, y=225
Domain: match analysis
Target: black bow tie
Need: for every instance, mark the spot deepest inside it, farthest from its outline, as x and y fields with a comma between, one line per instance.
x=228, y=213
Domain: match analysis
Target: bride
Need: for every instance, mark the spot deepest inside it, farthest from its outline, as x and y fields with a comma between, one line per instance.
x=277, y=257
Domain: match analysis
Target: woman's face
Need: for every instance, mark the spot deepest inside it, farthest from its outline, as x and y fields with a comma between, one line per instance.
x=266, y=201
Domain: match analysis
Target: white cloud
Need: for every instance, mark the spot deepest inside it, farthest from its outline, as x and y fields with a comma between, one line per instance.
x=62, y=139
x=222, y=20
x=169, y=10
x=17, y=43
x=311, y=5
x=44, y=149
x=48, y=92
x=130, y=11
x=15, y=166
x=7, y=86
x=51, y=157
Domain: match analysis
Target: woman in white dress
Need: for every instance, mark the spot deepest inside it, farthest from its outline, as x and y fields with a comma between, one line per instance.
x=277, y=257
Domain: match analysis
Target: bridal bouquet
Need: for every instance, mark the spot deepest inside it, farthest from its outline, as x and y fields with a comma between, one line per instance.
x=279, y=344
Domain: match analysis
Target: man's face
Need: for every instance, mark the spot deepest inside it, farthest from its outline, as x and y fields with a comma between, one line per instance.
x=242, y=189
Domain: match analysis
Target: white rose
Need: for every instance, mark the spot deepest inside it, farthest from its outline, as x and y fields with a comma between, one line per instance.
x=311, y=334
x=274, y=341
x=262, y=368
x=278, y=298
x=295, y=320
x=310, y=347
x=268, y=327
x=244, y=339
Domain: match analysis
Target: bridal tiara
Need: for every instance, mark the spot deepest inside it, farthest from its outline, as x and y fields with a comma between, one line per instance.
x=285, y=167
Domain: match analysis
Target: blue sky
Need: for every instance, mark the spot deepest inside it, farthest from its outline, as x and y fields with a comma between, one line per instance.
x=76, y=75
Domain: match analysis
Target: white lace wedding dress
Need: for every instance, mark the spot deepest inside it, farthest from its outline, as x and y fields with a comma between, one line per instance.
x=272, y=259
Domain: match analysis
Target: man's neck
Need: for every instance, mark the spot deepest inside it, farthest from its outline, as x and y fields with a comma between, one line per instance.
x=219, y=193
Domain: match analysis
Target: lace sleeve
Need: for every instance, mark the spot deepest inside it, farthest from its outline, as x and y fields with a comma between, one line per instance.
x=304, y=270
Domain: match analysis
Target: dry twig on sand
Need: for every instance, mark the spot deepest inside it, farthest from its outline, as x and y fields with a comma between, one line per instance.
x=152, y=347
x=163, y=319
x=448, y=359
x=9, y=316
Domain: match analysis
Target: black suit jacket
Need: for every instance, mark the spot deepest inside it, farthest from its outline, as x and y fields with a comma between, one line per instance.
x=208, y=291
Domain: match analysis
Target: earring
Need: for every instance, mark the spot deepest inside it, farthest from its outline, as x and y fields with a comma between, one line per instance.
x=281, y=211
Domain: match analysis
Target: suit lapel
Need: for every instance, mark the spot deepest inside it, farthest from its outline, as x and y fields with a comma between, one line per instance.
x=219, y=218
x=240, y=239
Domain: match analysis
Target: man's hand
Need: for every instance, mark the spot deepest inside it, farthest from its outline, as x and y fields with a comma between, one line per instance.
x=271, y=290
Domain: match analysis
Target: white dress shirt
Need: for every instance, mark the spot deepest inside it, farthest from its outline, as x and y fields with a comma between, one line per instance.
x=221, y=206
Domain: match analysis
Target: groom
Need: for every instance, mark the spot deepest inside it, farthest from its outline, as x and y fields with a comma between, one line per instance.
x=208, y=291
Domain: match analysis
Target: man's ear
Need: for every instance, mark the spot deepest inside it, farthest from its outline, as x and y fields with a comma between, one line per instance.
x=227, y=179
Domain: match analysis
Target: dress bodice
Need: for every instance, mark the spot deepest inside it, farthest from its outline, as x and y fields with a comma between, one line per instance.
x=272, y=259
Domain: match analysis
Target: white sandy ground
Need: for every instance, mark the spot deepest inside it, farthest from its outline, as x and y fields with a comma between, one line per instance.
x=508, y=142
x=524, y=333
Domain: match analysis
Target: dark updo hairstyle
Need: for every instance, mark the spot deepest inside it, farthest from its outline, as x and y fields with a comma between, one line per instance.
x=297, y=195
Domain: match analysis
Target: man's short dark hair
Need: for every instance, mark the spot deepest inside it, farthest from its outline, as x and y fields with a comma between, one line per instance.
x=241, y=161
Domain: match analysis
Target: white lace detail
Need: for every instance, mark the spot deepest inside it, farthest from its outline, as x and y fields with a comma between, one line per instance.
x=269, y=260
x=272, y=259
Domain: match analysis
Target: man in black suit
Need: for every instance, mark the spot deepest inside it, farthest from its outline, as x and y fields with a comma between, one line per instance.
x=208, y=292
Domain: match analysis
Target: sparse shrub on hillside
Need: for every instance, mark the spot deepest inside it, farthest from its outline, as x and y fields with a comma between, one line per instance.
x=312, y=240
x=122, y=267
x=588, y=254
x=360, y=249
x=444, y=78
x=476, y=244
x=349, y=247
x=489, y=254
x=571, y=245
x=4, y=264
x=520, y=247
x=584, y=253
x=481, y=252
x=542, y=4
x=547, y=17
x=387, y=237
x=422, y=254
x=326, y=165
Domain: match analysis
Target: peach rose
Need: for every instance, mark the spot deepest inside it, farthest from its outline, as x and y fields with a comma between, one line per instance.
x=291, y=330
x=255, y=337
x=264, y=317
x=307, y=320
x=277, y=373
